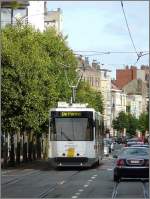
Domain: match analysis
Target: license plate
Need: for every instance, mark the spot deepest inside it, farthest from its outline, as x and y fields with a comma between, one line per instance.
x=70, y=152
x=135, y=161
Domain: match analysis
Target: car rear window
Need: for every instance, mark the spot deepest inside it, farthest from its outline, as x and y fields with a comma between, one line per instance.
x=135, y=151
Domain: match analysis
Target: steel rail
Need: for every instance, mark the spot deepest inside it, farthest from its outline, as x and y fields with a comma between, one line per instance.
x=52, y=188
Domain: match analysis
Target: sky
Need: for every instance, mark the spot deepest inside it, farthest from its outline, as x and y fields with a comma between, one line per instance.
x=100, y=26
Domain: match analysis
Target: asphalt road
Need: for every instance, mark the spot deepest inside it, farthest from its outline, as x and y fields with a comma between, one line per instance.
x=38, y=180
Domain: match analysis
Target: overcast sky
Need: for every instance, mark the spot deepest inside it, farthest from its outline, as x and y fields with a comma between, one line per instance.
x=100, y=26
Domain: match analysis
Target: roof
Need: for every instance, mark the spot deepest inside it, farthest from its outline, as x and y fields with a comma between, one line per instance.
x=113, y=86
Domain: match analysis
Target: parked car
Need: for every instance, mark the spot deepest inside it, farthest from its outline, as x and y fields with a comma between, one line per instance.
x=141, y=145
x=134, y=141
x=132, y=162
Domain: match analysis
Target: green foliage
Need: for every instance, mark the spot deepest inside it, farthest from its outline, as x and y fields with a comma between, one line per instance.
x=132, y=124
x=32, y=78
x=85, y=94
x=127, y=121
x=120, y=122
x=143, y=122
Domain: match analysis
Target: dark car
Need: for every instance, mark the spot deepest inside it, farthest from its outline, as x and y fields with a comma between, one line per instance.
x=132, y=162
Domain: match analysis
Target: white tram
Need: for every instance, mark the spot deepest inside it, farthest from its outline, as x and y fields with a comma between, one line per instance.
x=75, y=135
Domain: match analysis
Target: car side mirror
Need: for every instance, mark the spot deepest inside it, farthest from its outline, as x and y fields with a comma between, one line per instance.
x=115, y=156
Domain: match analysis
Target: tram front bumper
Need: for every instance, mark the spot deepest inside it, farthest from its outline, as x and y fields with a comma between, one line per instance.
x=73, y=161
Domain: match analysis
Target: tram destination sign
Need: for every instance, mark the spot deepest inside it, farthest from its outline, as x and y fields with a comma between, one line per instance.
x=86, y=114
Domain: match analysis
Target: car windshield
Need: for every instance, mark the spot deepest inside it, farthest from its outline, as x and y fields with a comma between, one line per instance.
x=135, y=151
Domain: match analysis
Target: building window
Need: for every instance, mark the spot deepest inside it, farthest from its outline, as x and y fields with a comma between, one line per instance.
x=5, y=16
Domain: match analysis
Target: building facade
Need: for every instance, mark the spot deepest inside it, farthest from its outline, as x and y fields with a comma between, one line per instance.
x=36, y=14
x=31, y=12
x=100, y=80
x=135, y=105
x=54, y=19
x=9, y=13
x=137, y=88
x=105, y=87
x=118, y=101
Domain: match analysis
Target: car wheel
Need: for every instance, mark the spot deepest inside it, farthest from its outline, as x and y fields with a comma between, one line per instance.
x=116, y=178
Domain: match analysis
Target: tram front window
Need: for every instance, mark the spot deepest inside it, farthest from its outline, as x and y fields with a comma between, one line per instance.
x=72, y=129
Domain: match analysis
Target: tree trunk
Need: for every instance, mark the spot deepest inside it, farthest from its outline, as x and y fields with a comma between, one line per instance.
x=5, y=151
x=18, y=153
x=18, y=149
x=38, y=148
x=30, y=146
x=25, y=159
x=12, y=153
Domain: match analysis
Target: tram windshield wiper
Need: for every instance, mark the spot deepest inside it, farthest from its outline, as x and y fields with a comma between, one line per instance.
x=67, y=138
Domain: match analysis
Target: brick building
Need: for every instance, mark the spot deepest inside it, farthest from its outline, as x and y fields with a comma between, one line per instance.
x=124, y=76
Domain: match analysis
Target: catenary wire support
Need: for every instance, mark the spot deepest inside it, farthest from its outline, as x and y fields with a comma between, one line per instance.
x=73, y=87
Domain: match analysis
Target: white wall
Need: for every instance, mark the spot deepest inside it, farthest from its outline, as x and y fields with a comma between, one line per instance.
x=36, y=14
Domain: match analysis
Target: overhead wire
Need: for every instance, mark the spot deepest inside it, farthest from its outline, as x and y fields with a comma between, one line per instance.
x=128, y=28
x=140, y=54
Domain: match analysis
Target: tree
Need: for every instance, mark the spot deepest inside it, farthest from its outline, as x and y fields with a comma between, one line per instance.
x=127, y=121
x=143, y=122
x=120, y=122
x=85, y=94
x=32, y=78
x=132, y=125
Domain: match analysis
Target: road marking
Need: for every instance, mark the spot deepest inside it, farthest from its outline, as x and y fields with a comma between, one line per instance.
x=74, y=196
x=109, y=169
x=62, y=182
x=86, y=185
x=93, y=177
x=77, y=193
x=145, y=191
x=90, y=180
x=80, y=190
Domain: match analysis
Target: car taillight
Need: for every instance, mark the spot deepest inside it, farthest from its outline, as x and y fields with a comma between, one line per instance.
x=146, y=162
x=120, y=162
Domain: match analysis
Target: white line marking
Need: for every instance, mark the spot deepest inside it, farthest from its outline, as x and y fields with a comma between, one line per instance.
x=90, y=180
x=62, y=182
x=81, y=190
x=74, y=196
x=109, y=169
x=77, y=193
x=86, y=185
x=93, y=177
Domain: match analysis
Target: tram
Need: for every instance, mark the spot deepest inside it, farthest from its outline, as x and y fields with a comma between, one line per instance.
x=75, y=135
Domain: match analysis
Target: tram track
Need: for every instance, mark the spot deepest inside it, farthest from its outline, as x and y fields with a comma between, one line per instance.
x=145, y=191
x=18, y=179
x=52, y=188
x=116, y=187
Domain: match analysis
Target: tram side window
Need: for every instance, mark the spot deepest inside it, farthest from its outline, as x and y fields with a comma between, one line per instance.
x=52, y=131
x=97, y=129
x=89, y=131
